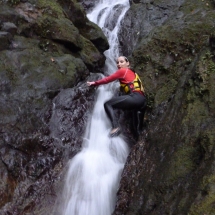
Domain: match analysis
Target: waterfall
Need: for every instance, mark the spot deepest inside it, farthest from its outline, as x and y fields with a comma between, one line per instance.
x=93, y=174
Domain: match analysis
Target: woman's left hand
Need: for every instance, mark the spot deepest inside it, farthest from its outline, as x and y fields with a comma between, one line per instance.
x=90, y=83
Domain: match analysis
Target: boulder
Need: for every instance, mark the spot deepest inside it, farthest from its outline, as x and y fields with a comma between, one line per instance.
x=5, y=40
x=9, y=27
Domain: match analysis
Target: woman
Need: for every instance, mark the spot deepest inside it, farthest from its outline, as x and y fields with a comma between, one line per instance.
x=133, y=98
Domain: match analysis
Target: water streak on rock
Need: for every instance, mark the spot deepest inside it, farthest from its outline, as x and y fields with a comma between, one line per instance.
x=93, y=174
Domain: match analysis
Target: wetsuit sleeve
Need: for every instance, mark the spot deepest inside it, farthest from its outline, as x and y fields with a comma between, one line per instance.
x=117, y=75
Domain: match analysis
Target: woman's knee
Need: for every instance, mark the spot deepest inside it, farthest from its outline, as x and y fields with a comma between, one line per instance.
x=107, y=105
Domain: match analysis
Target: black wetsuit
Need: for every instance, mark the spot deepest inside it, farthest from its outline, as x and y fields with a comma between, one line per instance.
x=133, y=101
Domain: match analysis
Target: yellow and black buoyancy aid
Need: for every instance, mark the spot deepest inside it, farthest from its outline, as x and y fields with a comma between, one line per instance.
x=136, y=84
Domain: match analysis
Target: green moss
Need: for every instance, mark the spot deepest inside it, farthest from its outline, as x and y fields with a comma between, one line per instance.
x=205, y=200
x=51, y=8
x=142, y=60
x=200, y=84
x=44, y=26
x=196, y=113
x=44, y=44
x=150, y=100
x=11, y=74
x=88, y=52
x=13, y=2
x=207, y=142
x=165, y=92
x=182, y=163
x=206, y=65
x=191, y=8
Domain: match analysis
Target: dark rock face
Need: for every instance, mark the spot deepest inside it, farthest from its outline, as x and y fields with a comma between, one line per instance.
x=45, y=103
x=171, y=168
x=9, y=27
x=5, y=38
x=88, y=4
x=88, y=29
x=44, y=62
x=143, y=18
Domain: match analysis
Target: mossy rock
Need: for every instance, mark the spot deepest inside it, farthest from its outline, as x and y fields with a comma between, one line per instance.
x=52, y=28
x=175, y=49
x=50, y=8
x=204, y=203
x=91, y=56
x=75, y=12
x=38, y=69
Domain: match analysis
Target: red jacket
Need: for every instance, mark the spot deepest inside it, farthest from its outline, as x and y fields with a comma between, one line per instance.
x=124, y=75
x=120, y=74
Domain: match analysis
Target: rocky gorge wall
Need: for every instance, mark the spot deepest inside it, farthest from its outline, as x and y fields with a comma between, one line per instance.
x=171, y=168
x=47, y=49
x=45, y=102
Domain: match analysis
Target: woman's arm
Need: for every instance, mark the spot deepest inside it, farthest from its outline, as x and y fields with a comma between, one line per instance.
x=90, y=83
x=117, y=75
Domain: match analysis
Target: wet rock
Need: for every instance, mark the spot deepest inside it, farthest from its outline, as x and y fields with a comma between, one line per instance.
x=28, y=12
x=88, y=29
x=76, y=41
x=9, y=27
x=7, y=185
x=8, y=14
x=5, y=40
x=87, y=4
x=142, y=19
x=174, y=158
x=45, y=104
x=40, y=65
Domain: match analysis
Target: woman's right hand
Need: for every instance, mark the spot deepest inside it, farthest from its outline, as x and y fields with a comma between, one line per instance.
x=90, y=83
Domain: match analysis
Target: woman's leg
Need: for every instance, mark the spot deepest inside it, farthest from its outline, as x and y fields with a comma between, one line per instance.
x=137, y=122
x=141, y=114
x=133, y=101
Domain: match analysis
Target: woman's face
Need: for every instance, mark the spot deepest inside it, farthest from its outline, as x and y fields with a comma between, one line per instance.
x=122, y=63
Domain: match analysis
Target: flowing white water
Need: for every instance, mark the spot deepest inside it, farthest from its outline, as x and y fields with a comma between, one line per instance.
x=94, y=173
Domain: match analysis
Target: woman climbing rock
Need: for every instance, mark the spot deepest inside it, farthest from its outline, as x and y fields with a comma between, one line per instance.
x=132, y=98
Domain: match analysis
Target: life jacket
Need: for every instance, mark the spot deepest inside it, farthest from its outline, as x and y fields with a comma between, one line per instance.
x=136, y=84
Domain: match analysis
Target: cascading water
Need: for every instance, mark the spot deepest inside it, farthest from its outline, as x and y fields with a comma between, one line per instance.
x=94, y=173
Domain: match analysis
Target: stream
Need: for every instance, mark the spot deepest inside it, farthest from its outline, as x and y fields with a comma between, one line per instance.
x=93, y=174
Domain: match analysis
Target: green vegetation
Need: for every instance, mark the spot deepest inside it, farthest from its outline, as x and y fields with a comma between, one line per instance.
x=13, y=2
